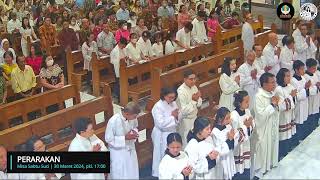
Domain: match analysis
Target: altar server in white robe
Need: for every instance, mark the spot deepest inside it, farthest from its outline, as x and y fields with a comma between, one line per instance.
x=188, y=101
x=271, y=54
x=157, y=47
x=312, y=52
x=304, y=44
x=287, y=128
x=297, y=31
x=202, y=154
x=313, y=99
x=199, y=34
x=248, y=77
x=121, y=135
x=225, y=139
x=3, y=166
x=287, y=53
x=144, y=44
x=133, y=51
x=229, y=83
x=301, y=107
x=242, y=120
x=84, y=141
x=183, y=37
x=259, y=62
x=166, y=118
x=265, y=136
x=247, y=35
x=175, y=164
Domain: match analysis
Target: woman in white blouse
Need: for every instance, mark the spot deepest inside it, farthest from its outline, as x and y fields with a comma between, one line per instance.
x=26, y=31
x=133, y=51
x=88, y=47
x=157, y=47
x=171, y=45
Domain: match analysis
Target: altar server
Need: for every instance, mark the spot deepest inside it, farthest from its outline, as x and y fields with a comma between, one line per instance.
x=175, y=163
x=248, y=77
x=165, y=115
x=225, y=139
x=202, y=154
x=242, y=120
x=229, y=83
x=312, y=51
x=287, y=53
x=188, y=101
x=304, y=44
x=301, y=106
x=86, y=140
x=265, y=138
x=271, y=54
x=121, y=135
x=287, y=94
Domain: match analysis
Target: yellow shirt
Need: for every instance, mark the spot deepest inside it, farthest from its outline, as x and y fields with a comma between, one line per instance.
x=7, y=69
x=23, y=81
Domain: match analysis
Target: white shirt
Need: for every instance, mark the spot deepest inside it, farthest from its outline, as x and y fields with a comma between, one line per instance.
x=199, y=34
x=157, y=49
x=87, y=52
x=286, y=58
x=105, y=40
x=271, y=58
x=171, y=47
x=115, y=56
x=247, y=36
x=12, y=25
x=133, y=53
x=183, y=37
x=145, y=47
x=260, y=64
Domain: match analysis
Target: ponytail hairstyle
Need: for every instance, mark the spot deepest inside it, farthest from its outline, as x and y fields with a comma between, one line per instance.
x=221, y=115
x=281, y=75
x=226, y=66
x=199, y=124
x=238, y=98
x=174, y=137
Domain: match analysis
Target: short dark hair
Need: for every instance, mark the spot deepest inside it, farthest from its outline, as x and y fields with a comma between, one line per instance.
x=265, y=78
x=304, y=24
x=30, y=143
x=221, y=115
x=297, y=64
x=166, y=91
x=81, y=124
x=311, y=62
x=238, y=98
x=146, y=34
x=202, y=14
x=286, y=40
x=280, y=76
x=133, y=34
x=199, y=124
x=226, y=66
x=189, y=26
x=123, y=41
x=174, y=137
x=187, y=73
x=233, y=14
x=254, y=46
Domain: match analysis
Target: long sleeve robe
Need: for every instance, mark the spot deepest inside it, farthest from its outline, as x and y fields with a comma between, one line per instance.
x=199, y=34
x=228, y=87
x=304, y=51
x=301, y=107
x=314, y=100
x=271, y=59
x=247, y=36
x=287, y=58
x=171, y=167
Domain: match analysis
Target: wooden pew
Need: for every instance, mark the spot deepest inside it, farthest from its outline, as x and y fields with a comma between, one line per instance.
x=75, y=65
x=39, y=102
x=98, y=78
x=262, y=38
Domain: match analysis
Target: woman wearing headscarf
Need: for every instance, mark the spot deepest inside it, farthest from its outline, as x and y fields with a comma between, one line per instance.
x=5, y=46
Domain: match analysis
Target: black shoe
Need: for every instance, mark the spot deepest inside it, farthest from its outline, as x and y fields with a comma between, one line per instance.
x=255, y=178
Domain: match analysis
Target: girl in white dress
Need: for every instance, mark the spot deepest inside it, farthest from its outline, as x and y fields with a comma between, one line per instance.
x=171, y=45
x=88, y=47
x=133, y=51
x=225, y=139
x=202, y=153
x=175, y=163
x=287, y=94
x=165, y=115
x=26, y=31
x=157, y=47
x=229, y=83
x=242, y=120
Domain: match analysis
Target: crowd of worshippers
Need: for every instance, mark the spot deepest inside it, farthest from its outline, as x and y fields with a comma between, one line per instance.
x=131, y=30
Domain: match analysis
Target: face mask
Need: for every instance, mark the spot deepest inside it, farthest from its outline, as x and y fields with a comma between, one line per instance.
x=125, y=27
x=134, y=41
x=49, y=63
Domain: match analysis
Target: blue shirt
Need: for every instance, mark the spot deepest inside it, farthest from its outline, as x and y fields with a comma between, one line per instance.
x=122, y=15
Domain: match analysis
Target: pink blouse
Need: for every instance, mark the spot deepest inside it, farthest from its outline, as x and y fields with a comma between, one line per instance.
x=121, y=33
x=212, y=24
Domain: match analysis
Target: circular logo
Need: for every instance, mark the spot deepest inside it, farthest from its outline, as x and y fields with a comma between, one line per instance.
x=285, y=11
x=308, y=11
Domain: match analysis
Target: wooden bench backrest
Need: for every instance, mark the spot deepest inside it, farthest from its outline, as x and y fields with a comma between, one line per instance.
x=210, y=94
x=22, y=107
x=262, y=38
x=74, y=58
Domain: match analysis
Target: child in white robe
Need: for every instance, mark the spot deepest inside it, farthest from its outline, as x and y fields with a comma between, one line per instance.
x=287, y=57
x=225, y=139
x=242, y=120
x=165, y=116
x=157, y=47
x=229, y=83
x=287, y=94
x=301, y=107
x=202, y=153
x=175, y=163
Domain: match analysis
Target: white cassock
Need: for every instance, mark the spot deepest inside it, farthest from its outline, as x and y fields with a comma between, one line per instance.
x=171, y=167
x=199, y=33
x=312, y=50
x=115, y=56
x=228, y=87
x=260, y=64
x=286, y=58
x=247, y=83
x=188, y=108
x=198, y=151
x=303, y=50
x=296, y=33
x=81, y=144
x=247, y=36
x=242, y=152
x=271, y=58
x=225, y=148
x=87, y=51
x=170, y=47
x=133, y=52
x=183, y=37
x=301, y=106
x=145, y=47
x=265, y=136
x=314, y=100
x=123, y=155
x=157, y=49
x=164, y=124
x=286, y=112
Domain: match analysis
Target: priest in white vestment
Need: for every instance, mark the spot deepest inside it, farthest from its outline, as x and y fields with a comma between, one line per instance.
x=3, y=166
x=304, y=45
x=86, y=141
x=199, y=34
x=265, y=137
x=271, y=54
x=247, y=35
x=188, y=101
x=121, y=135
x=259, y=62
